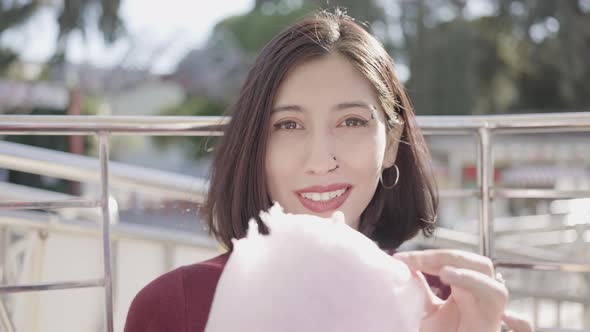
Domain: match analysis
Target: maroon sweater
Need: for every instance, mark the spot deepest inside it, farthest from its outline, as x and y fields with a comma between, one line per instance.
x=180, y=300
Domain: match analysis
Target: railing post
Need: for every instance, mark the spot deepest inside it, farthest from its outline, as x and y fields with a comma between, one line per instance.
x=3, y=252
x=485, y=170
x=5, y=319
x=106, y=224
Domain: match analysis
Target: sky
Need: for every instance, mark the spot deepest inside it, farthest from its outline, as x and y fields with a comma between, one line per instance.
x=161, y=33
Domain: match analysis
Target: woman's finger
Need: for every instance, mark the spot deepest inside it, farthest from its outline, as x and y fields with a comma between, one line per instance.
x=432, y=261
x=486, y=290
x=516, y=323
x=433, y=302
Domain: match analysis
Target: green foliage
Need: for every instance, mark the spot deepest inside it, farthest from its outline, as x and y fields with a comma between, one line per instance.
x=196, y=146
x=91, y=105
x=11, y=17
x=7, y=57
x=368, y=12
x=196, y=106
x=255, y=29
x=531, y=59
x=490, y=64
x=73, y=16
x=16, y=14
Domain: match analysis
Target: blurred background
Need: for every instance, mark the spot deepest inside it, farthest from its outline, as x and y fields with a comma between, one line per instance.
x=189, y=58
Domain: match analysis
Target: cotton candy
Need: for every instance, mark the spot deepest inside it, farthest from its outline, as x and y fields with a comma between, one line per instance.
x=313, y=274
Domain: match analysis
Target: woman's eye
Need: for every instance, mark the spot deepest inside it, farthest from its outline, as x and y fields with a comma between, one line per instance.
x=354, y=122
x=288, y=125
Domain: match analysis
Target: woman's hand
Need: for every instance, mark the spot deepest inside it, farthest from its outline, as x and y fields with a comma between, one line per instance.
x=477, y=301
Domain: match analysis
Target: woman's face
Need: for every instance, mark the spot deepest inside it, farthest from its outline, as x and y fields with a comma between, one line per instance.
x=328, y=142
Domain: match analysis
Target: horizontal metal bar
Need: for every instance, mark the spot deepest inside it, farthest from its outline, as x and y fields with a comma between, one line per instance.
x=448, y=238
x=62, y=131
x=18, y=192
x=543, y=266
x=545, y=293
x=48, y=205
x=212, y=125
x=36, y=221
x=120, y=125
x=85, y=169
x=448, y=131
x=539, y=193
x=564, y=120
x=459, y=193
x=4, y=289
x=541, y=130
x=539, y=229
x=515, y=193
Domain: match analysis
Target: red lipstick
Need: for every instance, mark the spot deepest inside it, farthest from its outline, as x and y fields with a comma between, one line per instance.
x=324, y=206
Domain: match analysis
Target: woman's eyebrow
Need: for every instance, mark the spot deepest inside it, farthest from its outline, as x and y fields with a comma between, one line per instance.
x=351, y=104
x=293, y=108
x=337, y=107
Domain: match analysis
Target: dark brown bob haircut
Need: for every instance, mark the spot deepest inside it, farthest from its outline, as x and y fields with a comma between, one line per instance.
x=238, y=190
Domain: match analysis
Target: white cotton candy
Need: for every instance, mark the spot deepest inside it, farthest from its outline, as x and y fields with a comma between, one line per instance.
x=313, y=274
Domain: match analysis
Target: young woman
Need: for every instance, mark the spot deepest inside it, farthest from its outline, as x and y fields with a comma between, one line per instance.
x=323, y=124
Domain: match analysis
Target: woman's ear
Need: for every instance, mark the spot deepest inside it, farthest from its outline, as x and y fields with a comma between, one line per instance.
x=393, y=141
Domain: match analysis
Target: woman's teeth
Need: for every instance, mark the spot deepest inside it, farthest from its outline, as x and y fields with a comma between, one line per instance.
x=323, y=196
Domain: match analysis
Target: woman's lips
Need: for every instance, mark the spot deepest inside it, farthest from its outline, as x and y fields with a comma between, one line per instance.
x=323, y=206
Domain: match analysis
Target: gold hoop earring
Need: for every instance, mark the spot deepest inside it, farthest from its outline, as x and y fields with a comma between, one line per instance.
x=396, y=178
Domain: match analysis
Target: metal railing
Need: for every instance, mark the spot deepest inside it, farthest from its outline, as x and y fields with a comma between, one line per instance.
x=483, y=128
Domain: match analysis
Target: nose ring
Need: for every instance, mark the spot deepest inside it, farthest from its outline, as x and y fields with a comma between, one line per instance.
x=337, y=166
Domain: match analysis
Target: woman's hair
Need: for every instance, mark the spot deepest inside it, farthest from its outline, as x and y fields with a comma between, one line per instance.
x=238, y=190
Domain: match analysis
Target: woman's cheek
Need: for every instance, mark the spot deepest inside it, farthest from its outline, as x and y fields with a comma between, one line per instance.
x=281, y=157
x=364, y=151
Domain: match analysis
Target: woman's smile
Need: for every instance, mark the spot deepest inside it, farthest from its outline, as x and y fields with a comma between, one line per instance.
x=321, y=199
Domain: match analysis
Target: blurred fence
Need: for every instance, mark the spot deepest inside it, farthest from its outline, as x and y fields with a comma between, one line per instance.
x=481, y=129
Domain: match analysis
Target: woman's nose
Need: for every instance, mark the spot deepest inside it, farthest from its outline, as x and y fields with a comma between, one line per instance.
x=321, y=157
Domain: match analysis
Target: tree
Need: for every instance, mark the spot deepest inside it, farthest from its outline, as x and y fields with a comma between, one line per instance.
x=254, y=29
x=269, y=17
x=12, y=15
x=73, y=16
x=527, y=55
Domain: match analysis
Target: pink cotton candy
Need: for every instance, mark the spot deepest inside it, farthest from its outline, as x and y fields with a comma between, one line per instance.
x=313, y=274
